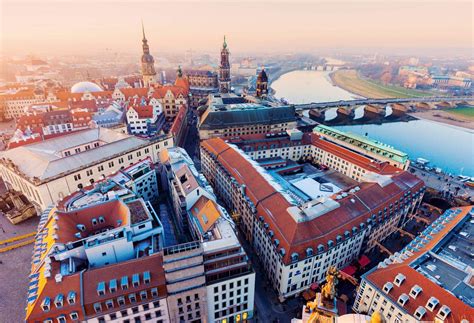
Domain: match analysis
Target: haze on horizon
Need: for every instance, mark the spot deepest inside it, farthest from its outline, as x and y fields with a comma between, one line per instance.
x=91, y=27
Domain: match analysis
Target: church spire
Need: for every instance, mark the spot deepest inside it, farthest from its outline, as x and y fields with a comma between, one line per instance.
x=143, y=31
x=225, y=43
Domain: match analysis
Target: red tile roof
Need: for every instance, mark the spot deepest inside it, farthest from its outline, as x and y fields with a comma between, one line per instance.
x=178, y=121
x=380, y=276
x=161, y=90
x=143, y=111
x=296, y=237
x=132, y=92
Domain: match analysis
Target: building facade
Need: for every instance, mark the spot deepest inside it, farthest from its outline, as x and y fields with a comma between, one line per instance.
x=426, y=281
x=366, y=146
x=45, y=172
x=201, y=84
x=230, y=115
x=296, y=235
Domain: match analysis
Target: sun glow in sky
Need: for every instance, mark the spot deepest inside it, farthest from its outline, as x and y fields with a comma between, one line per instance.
x=86, y=26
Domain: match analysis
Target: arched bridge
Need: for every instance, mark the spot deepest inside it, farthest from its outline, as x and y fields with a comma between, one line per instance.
x=358, y=102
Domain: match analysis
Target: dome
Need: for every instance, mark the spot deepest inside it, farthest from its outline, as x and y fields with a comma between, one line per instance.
x=82, y=87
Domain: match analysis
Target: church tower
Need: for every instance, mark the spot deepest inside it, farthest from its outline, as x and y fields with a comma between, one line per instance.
x=224, y=70
x=148, y=63
x=262, y=84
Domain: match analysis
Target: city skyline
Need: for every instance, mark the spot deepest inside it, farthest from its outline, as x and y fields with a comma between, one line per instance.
x=261, y=27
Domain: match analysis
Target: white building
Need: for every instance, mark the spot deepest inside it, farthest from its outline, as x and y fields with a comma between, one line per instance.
x=430, y=280
x=48, y=171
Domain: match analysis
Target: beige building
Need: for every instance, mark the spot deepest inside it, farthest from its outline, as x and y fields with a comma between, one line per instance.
x=47, y=171
x=300, y=226
x=230, y=115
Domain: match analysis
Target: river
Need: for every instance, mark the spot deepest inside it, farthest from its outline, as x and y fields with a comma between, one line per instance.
x=448, y=147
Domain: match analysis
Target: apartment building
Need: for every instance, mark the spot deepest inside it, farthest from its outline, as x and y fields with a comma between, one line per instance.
x=47, y=171
x=301, y=220
x=144, y=119
x=229, y=115
x=96, y=259
x=365, y=146
x=430, y=280
x=201, y=84
x=229, y=277
x=184, y=184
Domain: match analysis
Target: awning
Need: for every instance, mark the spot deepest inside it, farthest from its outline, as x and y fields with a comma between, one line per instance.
x=364, y=261
x=350, y=270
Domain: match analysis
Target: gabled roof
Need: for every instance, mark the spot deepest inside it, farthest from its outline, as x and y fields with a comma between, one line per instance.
x=205, y=213
x=143, y=111
x=131, y=92
x=387, y=273
x=274, y=207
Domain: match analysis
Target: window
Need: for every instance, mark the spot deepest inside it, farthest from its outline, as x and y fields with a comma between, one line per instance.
x=432, y=302
x=113, y=285
x=100, y=168
x=146, y=277
x=77, y=177
x=98, y=307
x=132, y=298
x=135, y=280
x=121, y=300
x=71, y=297
x=100, y=285
x=157, y=313
x=74, y=316
x=62, y=319
x=111, y=164
x=124, y=282
x=109, y=303
x=59, y=300
x=154, y=292
x=147, y=316
x=143, y=295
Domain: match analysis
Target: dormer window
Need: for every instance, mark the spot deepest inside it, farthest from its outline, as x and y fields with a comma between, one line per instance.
x=294, y=256
x=101, y=288
x=282, y=252
x=431, y=304
x=443, y=312
x=420, y=312
x=135, y=280
x=113, y=285
x=309, y=252
x=59, y=301
x=277, y=242
x=271, y=234
x=94, y=221
x=97, y=307
x=71, y=297
x=101, y=219
x=74, y=316
x=109, y=303
x=387, y=287
x=403, y=299
x=46, y=304
x=330, y=243
x=146, y=277
x=399, y=279
x=61, y=319
x=124, y=282
x=415, y=291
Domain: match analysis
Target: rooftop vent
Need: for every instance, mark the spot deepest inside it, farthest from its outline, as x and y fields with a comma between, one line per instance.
x=58, y=278
x=399, y=279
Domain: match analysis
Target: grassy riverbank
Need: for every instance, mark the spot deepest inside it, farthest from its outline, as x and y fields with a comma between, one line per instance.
x=350, y=81
x=466, y=112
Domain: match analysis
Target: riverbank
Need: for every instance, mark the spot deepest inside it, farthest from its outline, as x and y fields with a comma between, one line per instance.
x=350, y=81
x=446, y=118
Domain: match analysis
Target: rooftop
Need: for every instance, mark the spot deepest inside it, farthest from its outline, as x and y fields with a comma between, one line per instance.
x=435, y=262
x=365, y=143
x=44, y=159
x=298, y=226
x=230, y=109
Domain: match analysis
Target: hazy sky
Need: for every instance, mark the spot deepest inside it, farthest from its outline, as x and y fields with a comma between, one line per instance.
x=86, y=26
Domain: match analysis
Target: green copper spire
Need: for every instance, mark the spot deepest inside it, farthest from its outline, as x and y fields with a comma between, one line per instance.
x=143, y=31
x=225, y=43
x=180, y=72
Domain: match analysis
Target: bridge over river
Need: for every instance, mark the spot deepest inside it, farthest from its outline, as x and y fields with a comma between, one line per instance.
x=359, y=102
